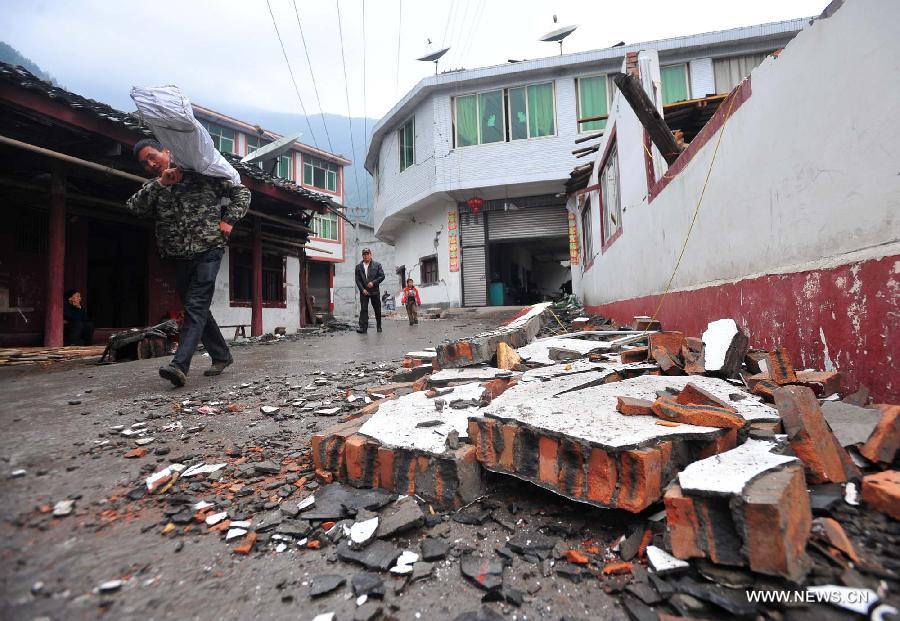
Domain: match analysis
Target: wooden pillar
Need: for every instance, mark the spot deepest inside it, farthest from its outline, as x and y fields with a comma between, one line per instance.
x=256, y=321
x=303, y=321
x=56, y=260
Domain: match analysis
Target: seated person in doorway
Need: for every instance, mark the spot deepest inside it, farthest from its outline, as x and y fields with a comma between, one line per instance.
x=412, y=300
x=77, y=327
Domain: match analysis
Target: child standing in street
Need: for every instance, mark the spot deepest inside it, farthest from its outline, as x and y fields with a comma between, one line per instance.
x=412, y=300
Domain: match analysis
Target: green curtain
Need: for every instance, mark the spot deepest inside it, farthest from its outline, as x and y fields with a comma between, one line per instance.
x=674, y=84
x=490, y=106
x=592, y=102
x=466, y=121
x=518, y=114
x=540, y=110
x=409, y=145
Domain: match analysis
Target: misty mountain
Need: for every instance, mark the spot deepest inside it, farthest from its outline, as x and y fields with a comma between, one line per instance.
x=11, y=55
x=359, y=203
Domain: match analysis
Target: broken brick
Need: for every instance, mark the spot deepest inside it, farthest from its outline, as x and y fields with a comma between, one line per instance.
x=694, y=361
x=781, y=371
x=135, y=453
x=881, y=492
x=246, y=546
x=615, y=568
x=829, y=530
x=635, y=354
x=576, y=557
x=753, y=359
x=496, y=387
x=777, y=519
x=692, y=394
x=324, y=476
x=668, y=363
x=507, y=357
x=809, y=436
x=631, y=406
x=766, y=389
x=667, y=408
x=670, y=341
x=823, y=383
x=884, y=441
x=640, y=482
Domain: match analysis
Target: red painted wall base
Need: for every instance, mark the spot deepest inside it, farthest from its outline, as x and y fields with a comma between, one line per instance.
x=848, y=314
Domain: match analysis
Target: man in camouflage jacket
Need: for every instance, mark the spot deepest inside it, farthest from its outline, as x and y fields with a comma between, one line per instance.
x=194, y=216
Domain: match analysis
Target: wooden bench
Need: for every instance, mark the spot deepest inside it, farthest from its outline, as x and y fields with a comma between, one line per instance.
x=240, y=329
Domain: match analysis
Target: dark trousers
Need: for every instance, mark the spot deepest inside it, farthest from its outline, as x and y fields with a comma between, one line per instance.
x=412, y=312
x=195, y=279
x=78, y=332
x=364, y=300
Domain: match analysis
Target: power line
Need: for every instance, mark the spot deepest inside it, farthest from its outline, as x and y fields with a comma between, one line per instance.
x=366, y=141
x=476, y=23
x=347, y=94
x=312, y=75
x=291, y=71
x=447, y=25
x=399, y=30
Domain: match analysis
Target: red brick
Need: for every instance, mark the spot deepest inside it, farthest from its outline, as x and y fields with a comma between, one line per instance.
x=722, y=443
x=325, y=476
x=246, y=546
x=484, y=441
x=882, y=445
x=577, y=557
x=629, y=406
x=667, y=408
x=669, y=341
x=809, y=436
x=409, y=363
x=635, y=354
x=385, y=468
x=571, y=468
x=507, y=455
x=823, y=383
x=616, y=568
x=833, y=533
x=548, y=469
x=602, y=476
x=421, y=383
x=764, y=388
x=694, y=361
x=692, y=394
x=135, y=453
x=881, y=492
x=776, y=523
x=354, y=456
x=496, y=387
x=669, y=364
x=640, y=481
x=461, y=350
x=781, y=371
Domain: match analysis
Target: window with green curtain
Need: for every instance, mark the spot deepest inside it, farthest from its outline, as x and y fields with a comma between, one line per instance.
x=285, y=170
x=674, y=83
x=319, y=173
x=592, y=101
x=406, y=136
x=490, y=109
x=466, y=121
x=518, y=114
x=540, y=110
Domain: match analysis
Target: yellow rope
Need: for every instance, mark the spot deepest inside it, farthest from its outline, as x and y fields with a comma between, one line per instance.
x=696, y=209
x=557, y=320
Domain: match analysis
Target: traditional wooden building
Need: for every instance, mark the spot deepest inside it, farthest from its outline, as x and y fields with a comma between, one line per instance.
x=67, y=169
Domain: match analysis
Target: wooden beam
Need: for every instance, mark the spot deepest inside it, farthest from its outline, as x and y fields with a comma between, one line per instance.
x=648, y=115
x=285, y=222
x=589, y=137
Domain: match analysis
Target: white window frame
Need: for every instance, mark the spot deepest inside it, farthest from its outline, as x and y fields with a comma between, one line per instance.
x=528, y=112
x=609, y=86
x=318, y=225
x=687, y=80
x=400, y=132
x=608, y=232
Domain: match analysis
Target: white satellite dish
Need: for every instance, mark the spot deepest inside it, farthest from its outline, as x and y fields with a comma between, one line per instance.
x=434, y=57
x=271, y=150
x=558, y=35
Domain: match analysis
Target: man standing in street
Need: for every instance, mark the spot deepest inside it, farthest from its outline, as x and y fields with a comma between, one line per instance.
x=369, y=275
x=194, y=216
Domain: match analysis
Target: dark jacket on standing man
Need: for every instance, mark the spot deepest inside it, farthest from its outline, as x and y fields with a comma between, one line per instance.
x=376, y=275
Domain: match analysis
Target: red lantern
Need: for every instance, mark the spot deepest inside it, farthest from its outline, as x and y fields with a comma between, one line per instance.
x=475, y=204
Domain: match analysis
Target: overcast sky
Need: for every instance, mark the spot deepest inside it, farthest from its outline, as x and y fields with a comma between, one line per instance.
x=225, y=52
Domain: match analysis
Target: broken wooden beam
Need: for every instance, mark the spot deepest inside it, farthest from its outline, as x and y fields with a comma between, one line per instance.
x=648, y=115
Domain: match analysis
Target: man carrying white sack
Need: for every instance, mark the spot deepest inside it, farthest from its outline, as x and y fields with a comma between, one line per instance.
x=196, y=201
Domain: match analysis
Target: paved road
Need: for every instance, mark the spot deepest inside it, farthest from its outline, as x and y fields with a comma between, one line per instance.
x=57, y=443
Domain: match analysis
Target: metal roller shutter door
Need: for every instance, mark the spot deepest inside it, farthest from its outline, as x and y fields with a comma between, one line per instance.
x=547, y=221
x=472, y=242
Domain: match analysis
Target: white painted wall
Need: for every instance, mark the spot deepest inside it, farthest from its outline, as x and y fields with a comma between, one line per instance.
x=806, y=172
x=226, y=314
x=418, y=240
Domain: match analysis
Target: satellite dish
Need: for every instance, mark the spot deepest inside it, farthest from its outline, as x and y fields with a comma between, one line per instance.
x=434, y=57
x=558, y=35
x=271, y=150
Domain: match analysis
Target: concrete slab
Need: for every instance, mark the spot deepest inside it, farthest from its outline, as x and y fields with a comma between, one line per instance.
x=565, y=368
x=851, y=424
x=539, y=351
x=395, y=424
x=728, y=473
x=470, y=374
x=574, y=405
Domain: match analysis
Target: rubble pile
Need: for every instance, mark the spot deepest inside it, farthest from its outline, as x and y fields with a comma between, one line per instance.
x=672, y=472
x=729, y=440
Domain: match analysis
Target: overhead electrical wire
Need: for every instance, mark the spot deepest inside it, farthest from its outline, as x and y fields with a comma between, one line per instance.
x=476, y=22
x=399, y=31
x=313, y=76
x=291, y=72
x=365, y=112
x=337, y=4
x=447, y=25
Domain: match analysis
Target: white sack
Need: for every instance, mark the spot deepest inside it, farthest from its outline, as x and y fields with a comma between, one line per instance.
x=168, y=113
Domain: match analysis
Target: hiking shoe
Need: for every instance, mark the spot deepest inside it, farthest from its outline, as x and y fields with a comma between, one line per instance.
x=217, y=367
x=379, y=329
x=173, y=374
